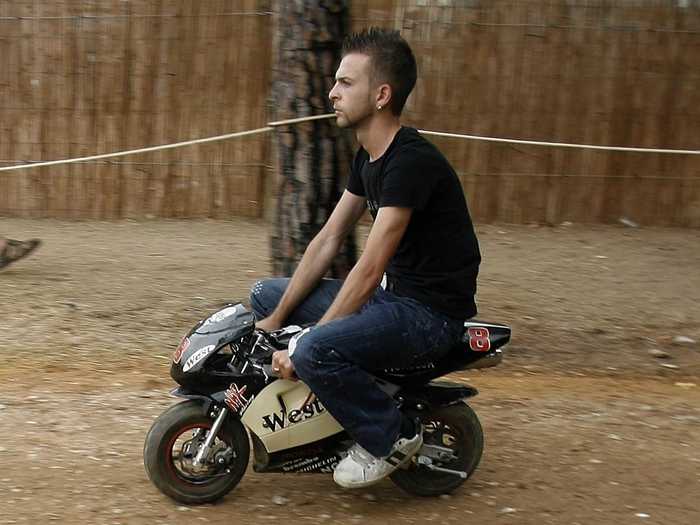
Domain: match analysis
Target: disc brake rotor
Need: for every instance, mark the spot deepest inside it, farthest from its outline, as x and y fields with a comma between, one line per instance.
x=183, y=457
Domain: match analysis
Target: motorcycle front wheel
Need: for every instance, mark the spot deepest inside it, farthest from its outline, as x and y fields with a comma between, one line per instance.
x=454, y=427
x=172, y=444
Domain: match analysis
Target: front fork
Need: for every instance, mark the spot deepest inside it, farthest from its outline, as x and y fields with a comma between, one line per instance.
x=203, y=452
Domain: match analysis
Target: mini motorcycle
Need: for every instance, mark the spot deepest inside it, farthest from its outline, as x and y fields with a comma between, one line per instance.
x=198, y=450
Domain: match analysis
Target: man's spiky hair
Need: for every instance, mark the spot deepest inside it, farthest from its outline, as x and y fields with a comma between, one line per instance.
x=392, y=61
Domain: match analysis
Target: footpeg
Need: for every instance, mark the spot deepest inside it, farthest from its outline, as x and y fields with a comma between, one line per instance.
x=435, y=452
x=426, y=462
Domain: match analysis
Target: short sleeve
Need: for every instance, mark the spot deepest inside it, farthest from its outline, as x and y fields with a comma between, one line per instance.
x=355, y=185
x=408, y=181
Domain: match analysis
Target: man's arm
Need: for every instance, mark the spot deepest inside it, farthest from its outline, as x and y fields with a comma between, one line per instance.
x=362, y=281
x=384, y=238
x=317, y=258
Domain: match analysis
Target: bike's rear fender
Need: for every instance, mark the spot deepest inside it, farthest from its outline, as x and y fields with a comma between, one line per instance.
x=435, y=394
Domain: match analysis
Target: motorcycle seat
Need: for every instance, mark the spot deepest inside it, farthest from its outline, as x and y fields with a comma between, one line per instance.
x=479, y=347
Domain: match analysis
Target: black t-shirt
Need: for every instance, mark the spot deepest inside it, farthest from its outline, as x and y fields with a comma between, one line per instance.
x=438, y=258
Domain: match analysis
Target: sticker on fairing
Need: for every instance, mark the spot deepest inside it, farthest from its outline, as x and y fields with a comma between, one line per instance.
x=281, y=420
x=235, y=398
x=479, y=339
x=181, y=349
x=197, y=357
x=221, y=315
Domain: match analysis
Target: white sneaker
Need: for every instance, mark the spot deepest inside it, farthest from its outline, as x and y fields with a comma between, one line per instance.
x=361, y=469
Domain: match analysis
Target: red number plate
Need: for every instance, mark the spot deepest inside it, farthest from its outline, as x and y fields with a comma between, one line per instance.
x=479, y=339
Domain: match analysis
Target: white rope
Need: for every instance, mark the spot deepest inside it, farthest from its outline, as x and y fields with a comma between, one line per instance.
x=271, y=125
x=559, y=144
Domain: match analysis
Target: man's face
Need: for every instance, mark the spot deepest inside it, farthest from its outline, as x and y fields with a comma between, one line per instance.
x=352, y=94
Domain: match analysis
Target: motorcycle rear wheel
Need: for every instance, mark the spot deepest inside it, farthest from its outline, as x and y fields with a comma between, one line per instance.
x=456, y=427
x=173, y=441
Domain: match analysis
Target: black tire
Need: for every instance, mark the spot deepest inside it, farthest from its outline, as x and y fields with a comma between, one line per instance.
x=166, y=471
x=466, y=439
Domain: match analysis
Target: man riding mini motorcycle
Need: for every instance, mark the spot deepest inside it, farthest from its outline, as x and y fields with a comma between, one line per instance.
x=422, y=239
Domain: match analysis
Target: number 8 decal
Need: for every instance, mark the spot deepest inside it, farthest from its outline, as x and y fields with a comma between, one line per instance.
x=479, y=339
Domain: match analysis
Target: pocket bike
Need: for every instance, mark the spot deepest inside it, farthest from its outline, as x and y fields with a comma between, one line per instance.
x=198, y=449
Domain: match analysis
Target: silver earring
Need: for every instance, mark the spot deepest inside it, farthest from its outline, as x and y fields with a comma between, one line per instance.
x=379, y=107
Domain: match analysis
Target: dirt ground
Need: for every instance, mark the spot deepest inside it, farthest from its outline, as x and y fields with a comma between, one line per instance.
x=593, y=417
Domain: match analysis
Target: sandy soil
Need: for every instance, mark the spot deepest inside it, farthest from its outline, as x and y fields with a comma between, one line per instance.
x=584, y=421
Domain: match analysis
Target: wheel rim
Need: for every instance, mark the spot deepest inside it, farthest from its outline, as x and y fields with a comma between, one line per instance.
x=182, y=449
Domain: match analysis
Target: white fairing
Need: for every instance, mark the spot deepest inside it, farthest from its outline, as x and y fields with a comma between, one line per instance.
x=280, y=429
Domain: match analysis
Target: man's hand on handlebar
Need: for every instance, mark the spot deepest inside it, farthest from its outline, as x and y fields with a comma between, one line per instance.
x=268, y=324
x=282, y=365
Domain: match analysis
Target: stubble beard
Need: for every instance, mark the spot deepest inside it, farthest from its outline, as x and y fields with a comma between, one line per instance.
x=346, y=121
x=353, y=123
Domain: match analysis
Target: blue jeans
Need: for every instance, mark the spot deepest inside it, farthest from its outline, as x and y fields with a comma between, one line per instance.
x=336, y=359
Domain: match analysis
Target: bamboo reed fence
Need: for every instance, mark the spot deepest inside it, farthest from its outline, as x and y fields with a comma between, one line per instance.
x=82, y=77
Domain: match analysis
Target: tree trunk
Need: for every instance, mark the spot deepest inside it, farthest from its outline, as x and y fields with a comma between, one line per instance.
x=313, y=159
